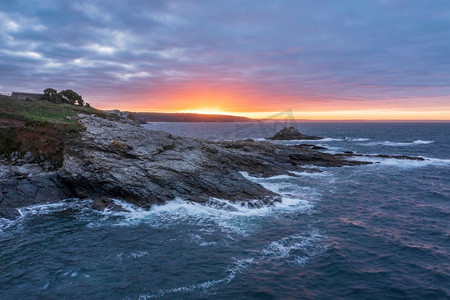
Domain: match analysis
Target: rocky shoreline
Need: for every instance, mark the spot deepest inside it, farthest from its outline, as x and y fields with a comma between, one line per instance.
x=121, y=159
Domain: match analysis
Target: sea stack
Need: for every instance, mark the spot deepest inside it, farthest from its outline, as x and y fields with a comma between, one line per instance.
x=291, y=133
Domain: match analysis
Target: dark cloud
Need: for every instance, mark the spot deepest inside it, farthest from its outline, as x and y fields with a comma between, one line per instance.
x=337, y=50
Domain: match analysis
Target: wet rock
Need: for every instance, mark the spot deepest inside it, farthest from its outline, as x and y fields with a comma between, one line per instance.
x=27, y=191
x=9, y=213
x=310, y=146
x=291, y=133
x=103, y=203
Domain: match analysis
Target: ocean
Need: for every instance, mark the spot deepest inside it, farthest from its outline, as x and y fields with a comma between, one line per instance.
x=379, y=231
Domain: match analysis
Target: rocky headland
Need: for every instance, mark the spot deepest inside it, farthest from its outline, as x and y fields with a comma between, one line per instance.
x=115, y=157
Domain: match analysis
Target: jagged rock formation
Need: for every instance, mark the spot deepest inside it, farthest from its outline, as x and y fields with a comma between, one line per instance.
x=291, y=133
x=146, y=167
x=120, y=159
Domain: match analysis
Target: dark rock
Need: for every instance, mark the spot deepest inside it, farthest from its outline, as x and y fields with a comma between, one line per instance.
x=15, y=193
x=291, y=133
x=103, y=203
x=9, y=213
x=315, y=147
x=310, y=146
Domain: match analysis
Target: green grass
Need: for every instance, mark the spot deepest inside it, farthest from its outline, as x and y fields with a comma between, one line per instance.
x=42, y=111
x=39, y=126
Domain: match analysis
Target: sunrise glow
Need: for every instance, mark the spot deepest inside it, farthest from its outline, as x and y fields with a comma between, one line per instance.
x=321, y=62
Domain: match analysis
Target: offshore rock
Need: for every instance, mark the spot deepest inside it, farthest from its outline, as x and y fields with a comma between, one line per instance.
x=291, y=133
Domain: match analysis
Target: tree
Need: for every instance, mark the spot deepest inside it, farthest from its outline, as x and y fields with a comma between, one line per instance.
x=52, y=95
x=71, y=97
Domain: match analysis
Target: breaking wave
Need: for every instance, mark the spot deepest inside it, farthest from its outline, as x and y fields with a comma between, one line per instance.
x=404, y=163
x=397, y=144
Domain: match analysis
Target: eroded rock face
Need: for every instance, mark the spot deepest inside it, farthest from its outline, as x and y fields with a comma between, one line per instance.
x=148, y=167
x=291, y=133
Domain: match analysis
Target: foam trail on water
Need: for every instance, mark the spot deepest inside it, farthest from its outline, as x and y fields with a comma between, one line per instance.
x=331, y=140
x=404, y=163
x=397, y=144
x=357, y=139
x=44, y=209
x=231, y=272
x=295, y=249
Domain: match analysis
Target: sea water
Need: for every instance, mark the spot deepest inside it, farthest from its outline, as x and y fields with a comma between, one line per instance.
x=373, y=231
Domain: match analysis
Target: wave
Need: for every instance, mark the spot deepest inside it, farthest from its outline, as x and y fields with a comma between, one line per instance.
x=227, y=214
x=331, y=140
x=404, y=163
x=44, y=209
x=297, y=248
x=397, y=144
x=73, y=204
x=357, y=139
x=344, y=139
x=233, y=217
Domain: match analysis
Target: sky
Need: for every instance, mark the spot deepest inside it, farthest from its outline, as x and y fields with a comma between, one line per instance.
x=372, y=59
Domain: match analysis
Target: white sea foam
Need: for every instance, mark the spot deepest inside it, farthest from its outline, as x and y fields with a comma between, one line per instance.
x=4, y=224
x=229, y=215
x=298, y=248
x=139, y=254
x=312, y=174
x=404, y=163
x=397, y=144
x=331, y=140
x=231, y=272
x=357, y=139
x=44, y=209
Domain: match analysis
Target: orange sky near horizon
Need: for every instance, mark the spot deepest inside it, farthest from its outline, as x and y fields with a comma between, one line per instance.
x=256, y=105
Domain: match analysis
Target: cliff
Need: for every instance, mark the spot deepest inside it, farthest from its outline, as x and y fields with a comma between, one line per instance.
x=113, y=156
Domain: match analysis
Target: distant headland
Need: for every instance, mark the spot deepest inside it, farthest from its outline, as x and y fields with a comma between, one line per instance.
x=188, y=117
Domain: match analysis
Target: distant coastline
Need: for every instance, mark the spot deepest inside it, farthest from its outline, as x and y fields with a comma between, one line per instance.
x=188, y=117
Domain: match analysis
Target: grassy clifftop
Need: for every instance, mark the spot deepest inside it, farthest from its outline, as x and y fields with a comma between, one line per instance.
x=41, y=111
x=38, y=127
